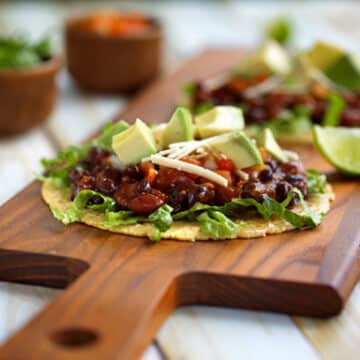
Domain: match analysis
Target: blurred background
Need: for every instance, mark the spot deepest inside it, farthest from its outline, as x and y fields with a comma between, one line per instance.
x=189, y=27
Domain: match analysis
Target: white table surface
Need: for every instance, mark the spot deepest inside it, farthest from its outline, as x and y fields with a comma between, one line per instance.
x=191, y=333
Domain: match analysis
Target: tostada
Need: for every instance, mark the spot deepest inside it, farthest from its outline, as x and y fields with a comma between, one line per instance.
x=174, y=182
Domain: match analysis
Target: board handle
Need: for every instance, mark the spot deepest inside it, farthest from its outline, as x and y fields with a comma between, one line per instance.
x=110, y=312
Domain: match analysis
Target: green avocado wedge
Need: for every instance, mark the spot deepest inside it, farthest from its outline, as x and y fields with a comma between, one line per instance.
x=239, y=148
x=134, y=143
x=219, y=120
x=179, y=128
x=266, y=139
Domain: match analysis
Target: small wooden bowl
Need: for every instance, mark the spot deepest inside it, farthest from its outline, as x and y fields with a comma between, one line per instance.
x=112, y=63
x=27, y=96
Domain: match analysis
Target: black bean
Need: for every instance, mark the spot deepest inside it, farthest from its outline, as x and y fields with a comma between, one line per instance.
x=143, y=186
x=272, y=163
x=76, y=173
x=261, y=198
x=293, y=179
x=95, y=200
x=266, y=174
x=282, y=189
x=133, y=171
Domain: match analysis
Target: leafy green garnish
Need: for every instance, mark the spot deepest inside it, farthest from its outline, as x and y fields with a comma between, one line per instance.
x=267, y=209
x=57, y=169
x=336, y=105
x=109, y=130
x=189, y=89
x=216, y=224
x=161, y=220
x=84, y=200
x=203, y=107
x=296, y=121
x=280, y=30
x=17, y=52
x=316, y=181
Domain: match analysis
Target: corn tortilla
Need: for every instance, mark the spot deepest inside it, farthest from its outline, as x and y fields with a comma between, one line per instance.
x=185, y=230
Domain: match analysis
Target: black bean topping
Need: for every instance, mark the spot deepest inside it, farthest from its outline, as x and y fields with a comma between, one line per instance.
x=266, y=174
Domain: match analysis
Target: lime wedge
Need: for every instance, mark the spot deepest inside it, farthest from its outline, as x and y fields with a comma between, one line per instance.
x=340, y=146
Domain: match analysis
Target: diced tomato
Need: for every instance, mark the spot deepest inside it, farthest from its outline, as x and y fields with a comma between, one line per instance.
x=225, y=164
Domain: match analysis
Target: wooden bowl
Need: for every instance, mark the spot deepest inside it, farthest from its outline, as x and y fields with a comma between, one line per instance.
x=109, y=63
x=27, y=96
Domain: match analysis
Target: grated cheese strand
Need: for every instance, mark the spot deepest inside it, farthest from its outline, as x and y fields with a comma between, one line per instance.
x=189, y=168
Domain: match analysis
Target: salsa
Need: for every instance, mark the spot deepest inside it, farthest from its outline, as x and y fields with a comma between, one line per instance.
x=115, y=23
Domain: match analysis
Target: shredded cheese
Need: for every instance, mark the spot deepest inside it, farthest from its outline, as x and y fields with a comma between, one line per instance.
x=242, y=174
x=264, y=87
x=189, y=168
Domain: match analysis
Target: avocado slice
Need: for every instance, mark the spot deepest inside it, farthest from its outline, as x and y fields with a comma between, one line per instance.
x=239, y=148
x=179, y=128
x=134, y=143
x=219, y=120
x=345, y=71
x=267, y=140
x=322, y=55
x=272, y=58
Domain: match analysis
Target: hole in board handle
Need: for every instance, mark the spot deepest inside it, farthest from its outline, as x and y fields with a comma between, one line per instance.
x=75, y=337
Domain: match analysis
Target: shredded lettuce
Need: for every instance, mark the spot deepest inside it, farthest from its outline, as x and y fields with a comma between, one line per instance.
x=316, y=181
x=334, y=109
x=267, y=209
x=57, y=169
x=85, y=199
x=109, y=130
x=161, y=220
x=189, y=89
x=296, y=121
x=203, y=107
x=216, y=224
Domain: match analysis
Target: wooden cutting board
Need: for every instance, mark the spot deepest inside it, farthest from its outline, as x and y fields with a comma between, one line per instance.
x=125, y=286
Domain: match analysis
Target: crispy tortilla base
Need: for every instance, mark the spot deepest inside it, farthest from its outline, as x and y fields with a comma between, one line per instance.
x=189, y=231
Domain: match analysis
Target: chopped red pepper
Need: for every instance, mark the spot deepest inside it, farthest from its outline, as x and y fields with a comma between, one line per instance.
x=225, y=164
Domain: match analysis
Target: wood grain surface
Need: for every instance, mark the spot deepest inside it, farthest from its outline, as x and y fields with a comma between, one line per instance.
x=126, y=286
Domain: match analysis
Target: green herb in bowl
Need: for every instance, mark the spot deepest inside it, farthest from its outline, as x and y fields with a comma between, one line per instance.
x=19, y=53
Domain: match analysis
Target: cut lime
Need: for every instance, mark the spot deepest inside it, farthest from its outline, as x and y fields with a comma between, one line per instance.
x=340, y=146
